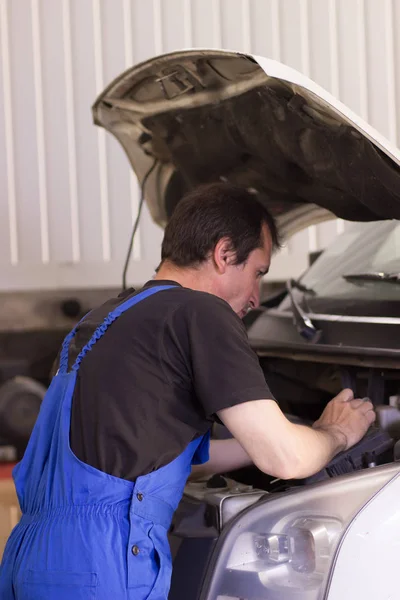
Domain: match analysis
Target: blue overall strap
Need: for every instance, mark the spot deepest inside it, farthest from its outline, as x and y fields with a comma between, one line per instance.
x=63, y=365
x=112, y=316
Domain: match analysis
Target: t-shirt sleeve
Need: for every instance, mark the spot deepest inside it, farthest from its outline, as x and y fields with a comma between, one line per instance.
x=225, y=369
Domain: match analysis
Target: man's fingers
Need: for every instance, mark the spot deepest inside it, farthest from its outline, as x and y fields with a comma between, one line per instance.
x=364, y=403
x=345, y=395
x=370, y=416
x=367, y=406
x=356, y=403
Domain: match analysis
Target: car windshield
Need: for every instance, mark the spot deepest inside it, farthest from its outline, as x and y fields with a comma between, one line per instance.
x=364, y=248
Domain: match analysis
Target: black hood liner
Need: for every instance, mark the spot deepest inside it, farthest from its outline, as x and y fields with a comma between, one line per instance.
x=269, y=143
x=274, y=136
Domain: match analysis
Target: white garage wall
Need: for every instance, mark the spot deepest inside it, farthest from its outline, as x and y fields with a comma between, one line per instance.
x=67, y=196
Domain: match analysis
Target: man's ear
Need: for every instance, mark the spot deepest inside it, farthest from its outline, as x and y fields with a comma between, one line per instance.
x=223, y=255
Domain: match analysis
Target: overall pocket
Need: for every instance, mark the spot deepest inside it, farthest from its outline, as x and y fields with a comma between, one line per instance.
x=162, y=551
x=58, y=585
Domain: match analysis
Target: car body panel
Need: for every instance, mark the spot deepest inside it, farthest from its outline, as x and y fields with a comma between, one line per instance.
x=366, y=563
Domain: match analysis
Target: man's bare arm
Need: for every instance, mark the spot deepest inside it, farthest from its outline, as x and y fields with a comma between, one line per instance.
x=285, y=450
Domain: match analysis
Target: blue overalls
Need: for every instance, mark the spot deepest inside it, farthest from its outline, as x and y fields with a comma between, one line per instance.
x=85, y=534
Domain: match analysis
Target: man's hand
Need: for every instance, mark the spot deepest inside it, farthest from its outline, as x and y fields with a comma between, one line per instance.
x=346, y=417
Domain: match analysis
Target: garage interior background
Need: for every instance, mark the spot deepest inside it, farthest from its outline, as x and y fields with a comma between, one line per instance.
x=68, y=195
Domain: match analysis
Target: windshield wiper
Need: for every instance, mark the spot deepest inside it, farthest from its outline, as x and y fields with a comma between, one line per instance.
x=375, y=276
x=302, y=321
x=301, y=287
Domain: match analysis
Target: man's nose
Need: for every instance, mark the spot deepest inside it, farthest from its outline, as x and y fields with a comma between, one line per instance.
x=255, y=297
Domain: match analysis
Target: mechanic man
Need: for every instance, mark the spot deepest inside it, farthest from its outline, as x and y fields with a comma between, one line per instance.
x=139, y=384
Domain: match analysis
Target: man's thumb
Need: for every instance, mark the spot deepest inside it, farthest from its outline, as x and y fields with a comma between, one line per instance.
x=345, y=395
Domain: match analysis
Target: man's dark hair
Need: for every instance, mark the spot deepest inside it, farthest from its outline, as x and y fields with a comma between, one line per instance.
x=209, y=213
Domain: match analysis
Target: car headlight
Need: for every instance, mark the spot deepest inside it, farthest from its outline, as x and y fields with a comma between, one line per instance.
x=284, y=546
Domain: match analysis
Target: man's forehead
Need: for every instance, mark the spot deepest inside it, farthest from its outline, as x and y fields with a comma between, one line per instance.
x=266, y=239
x=266, y=234
x=266, y=248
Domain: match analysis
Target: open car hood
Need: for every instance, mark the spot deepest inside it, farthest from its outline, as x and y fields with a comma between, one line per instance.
x=209, y=115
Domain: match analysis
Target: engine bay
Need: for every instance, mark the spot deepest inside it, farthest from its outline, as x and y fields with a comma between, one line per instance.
x=303, y=388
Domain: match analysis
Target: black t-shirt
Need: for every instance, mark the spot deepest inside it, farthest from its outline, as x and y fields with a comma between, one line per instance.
x=155, y=380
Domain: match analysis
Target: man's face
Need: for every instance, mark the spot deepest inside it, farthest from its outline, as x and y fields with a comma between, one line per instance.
x=241, y=285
